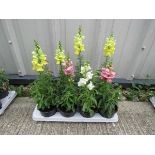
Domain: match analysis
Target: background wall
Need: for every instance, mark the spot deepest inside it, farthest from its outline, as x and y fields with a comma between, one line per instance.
x=135, y=49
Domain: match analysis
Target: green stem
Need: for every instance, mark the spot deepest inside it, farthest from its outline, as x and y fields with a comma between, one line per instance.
x=61, y=69
x=80, y=61
x=106, y=61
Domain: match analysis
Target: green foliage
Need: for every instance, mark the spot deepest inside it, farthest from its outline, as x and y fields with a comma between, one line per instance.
x=65, y=92
x=60, y=85
x=87, y=100
x=22, y=91
x=107, y=96
x=139, y=92
x=43, y=91
x=4, y=82
x=68, y=99
x=78, y=67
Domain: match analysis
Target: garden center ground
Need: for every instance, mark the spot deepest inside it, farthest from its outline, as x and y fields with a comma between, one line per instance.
x=134, y=118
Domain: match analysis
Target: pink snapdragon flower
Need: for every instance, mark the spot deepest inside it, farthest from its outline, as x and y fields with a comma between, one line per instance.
x=69, y=68
x=107, y=74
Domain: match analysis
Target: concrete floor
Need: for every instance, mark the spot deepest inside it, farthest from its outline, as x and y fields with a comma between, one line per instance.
x=134, y=118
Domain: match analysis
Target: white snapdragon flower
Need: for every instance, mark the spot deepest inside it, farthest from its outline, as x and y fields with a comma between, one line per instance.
x=90, y=86
x=85, y=69
x=88, y=68
x=82, y=82
x=89, y=75
x=82, y=70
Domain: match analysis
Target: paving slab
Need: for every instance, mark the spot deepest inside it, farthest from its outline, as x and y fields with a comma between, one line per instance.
x=135, y=118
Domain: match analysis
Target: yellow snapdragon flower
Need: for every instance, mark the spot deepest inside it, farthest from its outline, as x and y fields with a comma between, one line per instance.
x=40, y=68
x=109, y=47
x=38, y=58
x=60, y=55
x=78, y=43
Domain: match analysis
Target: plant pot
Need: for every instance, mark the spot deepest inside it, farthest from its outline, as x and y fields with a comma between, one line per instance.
x=4, y=94
x=106, y=114
x=48, y=112
x=65, y=113
x=86, y=114
x=78, y=108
